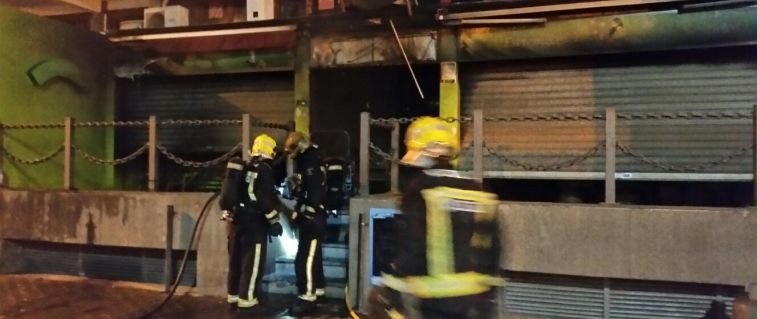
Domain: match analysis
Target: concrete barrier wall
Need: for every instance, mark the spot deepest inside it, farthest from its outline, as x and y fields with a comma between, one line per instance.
x=698, y=245
x=695, y=245
x=126, y=219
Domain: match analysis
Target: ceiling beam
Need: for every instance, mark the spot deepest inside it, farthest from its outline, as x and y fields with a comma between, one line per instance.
x=89, y=5
x=116, y=5
x=552, y=8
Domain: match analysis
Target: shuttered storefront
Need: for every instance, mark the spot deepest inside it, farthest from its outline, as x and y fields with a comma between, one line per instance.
x=267, y=97
x=667, y=84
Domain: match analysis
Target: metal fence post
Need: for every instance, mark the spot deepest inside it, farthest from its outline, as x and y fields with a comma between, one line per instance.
x=246, y=137
x=3, y=176
x=152, y=162
x=395, y=168
x=168, y=262
x=611, y=141
x=754, y=155
x=67, y=154
x=478, y=145
x=365, y=139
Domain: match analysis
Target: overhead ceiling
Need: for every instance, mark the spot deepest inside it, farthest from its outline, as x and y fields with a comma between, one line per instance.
x=66, y=7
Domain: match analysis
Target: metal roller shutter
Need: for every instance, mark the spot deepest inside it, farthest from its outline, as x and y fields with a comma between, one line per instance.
x=267, y=97
x=537, y=88
x=553, y=296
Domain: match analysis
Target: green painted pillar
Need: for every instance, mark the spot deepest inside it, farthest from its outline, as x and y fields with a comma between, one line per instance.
x=449, y=86
x=302, y=83
x=449, y=94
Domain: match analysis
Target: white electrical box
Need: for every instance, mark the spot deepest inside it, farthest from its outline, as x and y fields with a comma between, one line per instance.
x=166, y=17
x=258, y=10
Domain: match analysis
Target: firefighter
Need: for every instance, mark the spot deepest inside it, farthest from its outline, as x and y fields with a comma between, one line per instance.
x=249, y=200
x=448, y=231
x=309, y=217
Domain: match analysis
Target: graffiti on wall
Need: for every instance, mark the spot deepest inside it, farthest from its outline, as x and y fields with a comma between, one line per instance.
x=331, y=51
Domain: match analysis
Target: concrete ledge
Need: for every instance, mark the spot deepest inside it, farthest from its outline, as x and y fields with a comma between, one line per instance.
x=695, y=245
x=128, y=219
x=698, y=245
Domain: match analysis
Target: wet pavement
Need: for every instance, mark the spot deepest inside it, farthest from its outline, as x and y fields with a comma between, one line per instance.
x=49, y=296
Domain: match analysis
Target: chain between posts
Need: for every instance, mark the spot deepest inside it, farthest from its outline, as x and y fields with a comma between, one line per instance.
x=546, y=167
x=112, y=124
x=384, y=155
x=408, y=120
x=182, y=162
x=33, y=161
x=627, y=150
x=279, y=126
x=114, y=162
x=571, y=117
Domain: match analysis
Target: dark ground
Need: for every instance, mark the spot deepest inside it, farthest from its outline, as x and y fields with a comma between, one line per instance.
x=41, y=296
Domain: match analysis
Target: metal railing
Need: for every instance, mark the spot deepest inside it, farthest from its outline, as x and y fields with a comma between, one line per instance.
x=609, y=117
x=152, y=146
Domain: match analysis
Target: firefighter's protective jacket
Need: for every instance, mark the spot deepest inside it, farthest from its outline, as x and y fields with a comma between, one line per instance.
x=448, y=236
x=309, y=167
x=249, y=190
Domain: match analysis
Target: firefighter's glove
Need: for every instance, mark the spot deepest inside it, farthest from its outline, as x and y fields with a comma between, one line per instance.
x=227, y=215
x=276, y=230
x=303, y=211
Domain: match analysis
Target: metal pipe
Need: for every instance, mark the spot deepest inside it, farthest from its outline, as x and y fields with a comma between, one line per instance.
x=550, y=8
x=394, y=174
x=407, y=61
x=494, y=21
x=68, y=154
x=754, y=155
x=478, y=145
x=168, y=262
x=246, y=137
x=610, y=142
x=365, y=140
x=152, y=155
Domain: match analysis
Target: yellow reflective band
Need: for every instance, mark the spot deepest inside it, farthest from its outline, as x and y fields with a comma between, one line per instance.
x=235, y=166
x=272, y=214
x=443, y=286
x=247, y=303
x=309, y=271
x=253, y=278
x=232, y=298
x=394, y=314
x=335, y=168
x=310, y=209
x=440, y=254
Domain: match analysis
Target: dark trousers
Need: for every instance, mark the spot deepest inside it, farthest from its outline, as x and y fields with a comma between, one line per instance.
x=309, y=260
x=247, y=252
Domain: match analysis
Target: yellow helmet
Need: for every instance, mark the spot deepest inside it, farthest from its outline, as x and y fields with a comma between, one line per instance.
x=430, y=137
x=263, y=146
x=296, y=143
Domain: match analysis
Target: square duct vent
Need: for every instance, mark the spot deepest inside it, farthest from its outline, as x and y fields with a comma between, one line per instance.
x=258, y=10
x=166, y=17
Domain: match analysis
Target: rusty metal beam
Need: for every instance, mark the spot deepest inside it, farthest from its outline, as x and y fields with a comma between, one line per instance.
x=89, y=5
x=115, y=5
x=552, y=8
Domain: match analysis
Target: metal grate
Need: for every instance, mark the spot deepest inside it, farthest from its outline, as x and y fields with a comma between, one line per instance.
x=560, y=297
x=551, y=296
x=104, y=262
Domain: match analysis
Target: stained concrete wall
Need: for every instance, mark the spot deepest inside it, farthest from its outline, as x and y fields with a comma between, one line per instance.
x=695, y=245
x=127, y=219
x=699, y=245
